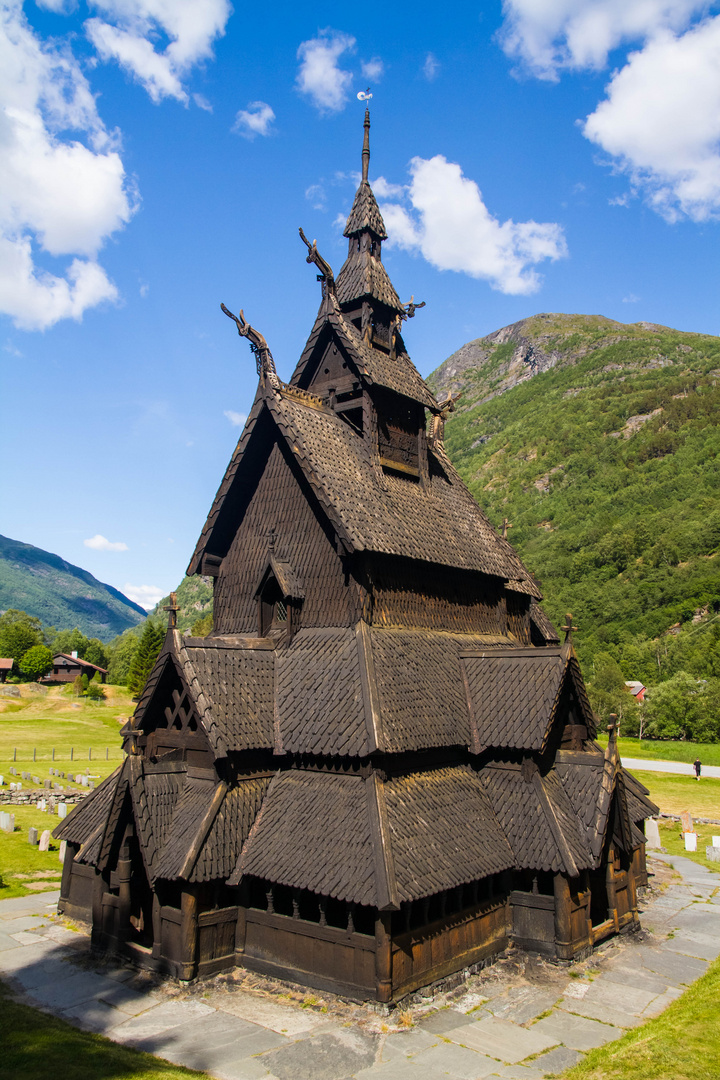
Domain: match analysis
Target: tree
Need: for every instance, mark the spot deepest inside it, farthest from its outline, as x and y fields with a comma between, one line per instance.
x=202, y=627
x=70, y=641
x=95, y=690
x=78, y=686
x=36, y=662
x=95, y=653
x=676, y=709
x=121, y=651
x=608, y=694
x=18, y=633
x=145, y=656
x=84, y=682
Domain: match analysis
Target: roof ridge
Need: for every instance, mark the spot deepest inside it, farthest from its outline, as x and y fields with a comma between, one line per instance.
x=555, y=827
x=385, y=883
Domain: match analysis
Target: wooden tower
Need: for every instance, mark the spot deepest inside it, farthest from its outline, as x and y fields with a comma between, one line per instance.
x=380, y=767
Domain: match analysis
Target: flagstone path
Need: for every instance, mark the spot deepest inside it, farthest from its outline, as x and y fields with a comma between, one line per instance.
x=520, y=1019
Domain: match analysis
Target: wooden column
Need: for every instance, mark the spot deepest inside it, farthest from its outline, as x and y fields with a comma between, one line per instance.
x=240, y=933
x=563, y=930
x=188, y=934
x=383, y=956
x=156, y=926
x=124, y=874
x=610, y=886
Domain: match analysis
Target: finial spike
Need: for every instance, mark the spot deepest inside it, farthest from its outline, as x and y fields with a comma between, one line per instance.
x=366, y=146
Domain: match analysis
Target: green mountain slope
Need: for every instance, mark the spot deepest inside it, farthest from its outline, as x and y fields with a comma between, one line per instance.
x=194, y=600
x=599, y=441
x=60, y=594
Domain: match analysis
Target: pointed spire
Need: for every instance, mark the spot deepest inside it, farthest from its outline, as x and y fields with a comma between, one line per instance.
x=366, y=147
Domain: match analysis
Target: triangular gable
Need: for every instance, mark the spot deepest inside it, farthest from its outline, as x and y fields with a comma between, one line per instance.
x=515, y=695
x=288, y=581
x=85, y=818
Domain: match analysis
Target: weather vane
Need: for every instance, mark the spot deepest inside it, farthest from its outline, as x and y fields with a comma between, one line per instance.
x=364, y=95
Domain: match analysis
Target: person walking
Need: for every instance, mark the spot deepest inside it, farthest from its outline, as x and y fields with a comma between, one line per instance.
x=697, y=766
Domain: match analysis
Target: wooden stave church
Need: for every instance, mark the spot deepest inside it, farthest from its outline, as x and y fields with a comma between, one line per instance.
x=380, y=768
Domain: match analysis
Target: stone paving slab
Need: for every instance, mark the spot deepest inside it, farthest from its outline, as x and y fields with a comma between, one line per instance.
x=557, y=1061
x=160, y=1018
x=625, y=998
x=209, y=1041
x=524, y=1007
x=242, y=1069
x=410, y=1042
x=64, y=993
x=662, y=1001
x=443, y=1020
x=689, y=944
x=681, y=969
x=637, y=977
x=577, y=1032
x=604, y=1013
x=458, y=1061
x=93, y=1015
x=517, y=1072
x=501, y=1039
x=328, y=1056
x=268, y=1014
x=396, y=1070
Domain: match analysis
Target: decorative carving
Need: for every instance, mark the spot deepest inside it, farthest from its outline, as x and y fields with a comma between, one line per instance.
x=172, y=610
x=326, y=271
x=437, y=422
x=568, y=628
x=258, y=344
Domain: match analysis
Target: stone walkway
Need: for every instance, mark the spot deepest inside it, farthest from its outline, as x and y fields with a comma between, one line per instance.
x=682, y=767
x=520, y=1018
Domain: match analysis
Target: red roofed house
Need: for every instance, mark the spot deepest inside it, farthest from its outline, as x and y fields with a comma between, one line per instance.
x=67, y=667
x=6, y=663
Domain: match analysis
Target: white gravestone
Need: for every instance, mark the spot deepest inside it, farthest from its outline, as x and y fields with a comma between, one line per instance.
x=691, y=841
x=62, y=810
x=652, y=833
x=63, y=848
x=45, y=841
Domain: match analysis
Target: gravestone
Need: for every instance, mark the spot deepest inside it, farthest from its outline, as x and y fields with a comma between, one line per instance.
x=47, y=783
x=26, y=776
x=45, y=840
x=2, y=780
x=56, y=786
x=716, y=841
x=62, y=775
x=11, y=823
x=4, y=821
x=32, y=836
x=12, y=771
x=712, y=853
x=91, y=785
x=686, y=822
x=691, y=841
x=62, y=810
x=70, y=777
x=41, y=804
x=83, y=780
x=36, y=780
x=652, y=833
x=63, y=848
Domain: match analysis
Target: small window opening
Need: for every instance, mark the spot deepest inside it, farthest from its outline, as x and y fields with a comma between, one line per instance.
x=280, y=612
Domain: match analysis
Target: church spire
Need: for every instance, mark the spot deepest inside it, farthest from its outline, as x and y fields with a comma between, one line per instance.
x=366, y=148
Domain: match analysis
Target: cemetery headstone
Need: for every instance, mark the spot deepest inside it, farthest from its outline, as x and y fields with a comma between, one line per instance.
x=62, y=810
x=12, y=771
x=91, y=785
x=26, y=776
x=56, y=786
x=712, y=853
x=686, y=822
x=36, y=780
x=62, y=775
x=63, y=848
x=70, y=777
x=45, y=840
x=652, y=833
x=2, y=780
x=32, y=836
x=691, y=841
x=716, y=841
x=47, y=783
x=11, y=823
x=4, y=821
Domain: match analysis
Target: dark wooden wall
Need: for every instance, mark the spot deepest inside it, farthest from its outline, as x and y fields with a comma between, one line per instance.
x=280, y=503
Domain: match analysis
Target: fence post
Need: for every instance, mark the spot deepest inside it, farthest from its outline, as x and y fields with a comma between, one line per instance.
x=34, y=752
x=15, y=753
x=107, y=753
x=89, y=753
x=71, y=753
x=53, y=753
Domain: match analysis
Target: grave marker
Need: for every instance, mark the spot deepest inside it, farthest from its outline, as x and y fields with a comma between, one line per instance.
x=9, y=825
x=716, y=841
x=691, y=841
x=61, y=853
x=652, y=833
x=32, y=836
x=45, y=841
x=686, y=822
x=62, y=810
x=47, y=783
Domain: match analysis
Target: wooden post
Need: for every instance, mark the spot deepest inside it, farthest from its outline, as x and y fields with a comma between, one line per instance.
x=383, y=956
x=188, y=935
x=610, y=885
x=240, y=932
x=157, y=927
x=563, y=930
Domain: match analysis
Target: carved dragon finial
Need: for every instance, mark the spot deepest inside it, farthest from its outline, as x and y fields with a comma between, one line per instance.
x=314, y=256
x=258, y=344
x=411, y=308
x=437, y=421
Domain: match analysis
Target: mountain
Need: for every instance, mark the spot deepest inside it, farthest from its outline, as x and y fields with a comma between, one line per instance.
x=599, y=442
x=60, y=594
x=194, y=600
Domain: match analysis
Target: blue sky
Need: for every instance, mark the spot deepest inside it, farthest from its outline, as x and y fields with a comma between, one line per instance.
x=158, y=156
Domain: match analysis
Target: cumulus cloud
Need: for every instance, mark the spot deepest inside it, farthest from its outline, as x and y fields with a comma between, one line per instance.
x=128, y=30
x=146, y=596
x=450, y=226
x=431, y=67
x=548, y=35
x=320, y=77
x=237, y=419
x=660, y=122
x=62, y=196
x=255, y=120
x=101, y=543
x=373, y=69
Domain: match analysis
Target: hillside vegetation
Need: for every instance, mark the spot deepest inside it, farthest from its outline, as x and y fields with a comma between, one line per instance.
x=599, y=441
x=62, y=595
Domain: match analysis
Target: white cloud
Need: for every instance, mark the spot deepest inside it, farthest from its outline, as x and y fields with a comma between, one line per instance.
x=237, y=419
x=373, y=69
x=385, y=190
x=548, y=35
x=319, y=76
x=452, y=228
x=316, y=195
x=60, y=196
x=431, y=67
x=255, y=120
x=631, y=298
x=202, y=103
x=146, y=596
x=661, y=122
x=129, y=29
x=101, y=543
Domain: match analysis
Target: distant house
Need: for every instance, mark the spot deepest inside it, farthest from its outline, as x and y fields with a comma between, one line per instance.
x=6, y=663
x=637, y=689
x=67, y=667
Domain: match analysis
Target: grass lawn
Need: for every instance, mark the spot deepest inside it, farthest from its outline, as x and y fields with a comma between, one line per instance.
x=667, y=750
x=681, y=1044
x=674, y=794
x=36, y=1047
x=43, y=720
x=23, y=868
x=671, y=839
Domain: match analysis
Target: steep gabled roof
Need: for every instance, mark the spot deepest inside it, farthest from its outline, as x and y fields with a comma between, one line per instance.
x=514, y=695
x=363, y=275
x=374, y=365
x=83, y=819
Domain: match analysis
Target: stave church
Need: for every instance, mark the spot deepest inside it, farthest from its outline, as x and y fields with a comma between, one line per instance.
x=380, y=768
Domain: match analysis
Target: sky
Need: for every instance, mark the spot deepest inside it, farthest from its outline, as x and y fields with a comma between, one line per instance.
x=158, y=156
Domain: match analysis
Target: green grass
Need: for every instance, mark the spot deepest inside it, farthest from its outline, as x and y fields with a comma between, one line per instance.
x=22, y=864
x=675, y=794
x=39, y=1047
x=681, y=1044
x=42, y=721
x=672, y=839
x=667, y=750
